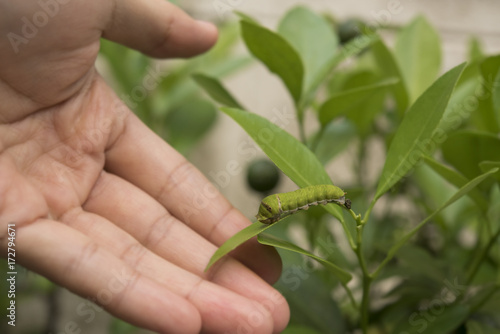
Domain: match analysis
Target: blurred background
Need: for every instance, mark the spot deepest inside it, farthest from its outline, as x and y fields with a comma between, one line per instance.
x=185, y=117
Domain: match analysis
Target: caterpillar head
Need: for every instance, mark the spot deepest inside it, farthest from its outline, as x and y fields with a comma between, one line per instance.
x=268, y=210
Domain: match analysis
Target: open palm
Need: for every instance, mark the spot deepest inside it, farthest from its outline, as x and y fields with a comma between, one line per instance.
x=101, y=204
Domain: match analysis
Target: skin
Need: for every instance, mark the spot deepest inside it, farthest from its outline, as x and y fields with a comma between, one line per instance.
x=101, y=205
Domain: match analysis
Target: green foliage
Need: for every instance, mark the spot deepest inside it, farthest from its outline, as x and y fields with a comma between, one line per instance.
x=418, y=51
x=440, y=136
x=416, y=130
x=343, y=276
x=277, y=54
x=165, y=95
x=316, y=45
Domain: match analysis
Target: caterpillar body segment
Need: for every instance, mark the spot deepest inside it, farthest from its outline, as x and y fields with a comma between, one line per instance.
x=279, y=206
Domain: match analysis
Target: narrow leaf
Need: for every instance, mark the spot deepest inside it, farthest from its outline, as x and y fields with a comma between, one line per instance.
x=475, y=49
x=447, y=321
x=475, y=327
x=348, y=101
x=246, y=234
x=458, y=180
x=465, y=150
x=416, y=130
x=247, y=17
x=490, y=70
x=216, y=90
x=460, y=193
x=487, y=165
x=418, y=52
x=352, y=48
x=341, y=133
x=316, y=44
x=277, y=54
x=270, y=240
x=389, y=67
x=289, y=154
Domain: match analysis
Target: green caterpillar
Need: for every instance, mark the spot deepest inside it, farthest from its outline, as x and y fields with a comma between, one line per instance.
x=278, y=206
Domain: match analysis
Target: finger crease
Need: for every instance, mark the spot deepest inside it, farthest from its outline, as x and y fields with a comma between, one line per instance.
x=218, y=222
x=158, y=230
x=174, y=179
x=133, y=254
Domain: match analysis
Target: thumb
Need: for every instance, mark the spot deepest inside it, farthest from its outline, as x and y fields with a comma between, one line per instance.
x=158, y=28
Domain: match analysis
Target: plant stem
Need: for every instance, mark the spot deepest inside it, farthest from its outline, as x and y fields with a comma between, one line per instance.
x=302, y=133
x=317, y=139
x=367, y=280
x=365, y=303
x=299, y=110
x=368, y=212
x=351, y=297
x=480, y=259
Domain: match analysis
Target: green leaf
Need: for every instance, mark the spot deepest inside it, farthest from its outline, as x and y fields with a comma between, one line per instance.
x=246, y=17
x=418, y=52
x=446, y=322
x=246, y=234
x=300, y=286
x=187, y=125
x=216, y=90
x=352, y=48
x=475, y=327
x=348, y=102
x=289, y=154
x=490, y=70
x=266, y=239
x=457, y=112
x=465, y=150
x=389, y=67
x=277, y=54
x=416, y=130
x=487, y=165
x=458, y=180
x=475, y=49
x=341, y=133
x=313, y=37
x=460, y=193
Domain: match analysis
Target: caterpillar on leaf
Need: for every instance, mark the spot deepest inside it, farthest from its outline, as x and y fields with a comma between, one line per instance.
x=278, y=206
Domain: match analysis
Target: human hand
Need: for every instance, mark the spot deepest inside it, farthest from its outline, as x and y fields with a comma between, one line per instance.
x=101, y=205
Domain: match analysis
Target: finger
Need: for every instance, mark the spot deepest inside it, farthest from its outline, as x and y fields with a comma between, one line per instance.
x=221, y=310
x=158, y=28
x=74, y=261
x=144, y=218
x=145, y=160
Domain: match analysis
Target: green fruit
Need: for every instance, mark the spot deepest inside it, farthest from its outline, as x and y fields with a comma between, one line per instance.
x=263, y=175
x=349, y=29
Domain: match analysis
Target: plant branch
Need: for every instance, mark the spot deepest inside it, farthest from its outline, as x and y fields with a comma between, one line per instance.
x=367, y=278
x=476, y=264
